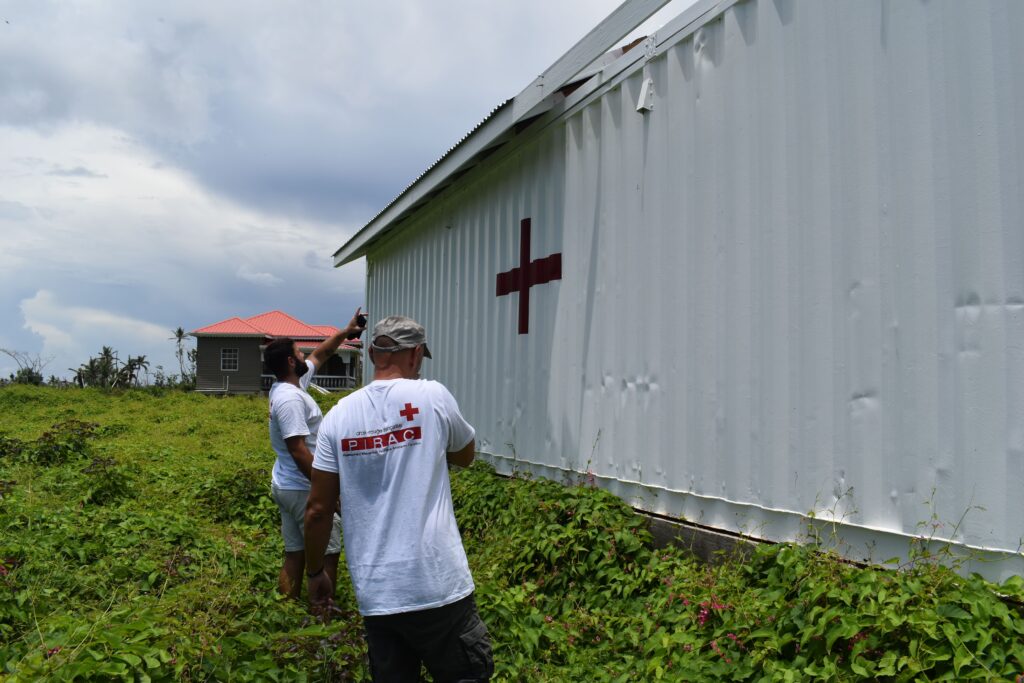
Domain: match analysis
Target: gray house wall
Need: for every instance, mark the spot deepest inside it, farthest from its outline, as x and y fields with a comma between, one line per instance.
x=209, y=376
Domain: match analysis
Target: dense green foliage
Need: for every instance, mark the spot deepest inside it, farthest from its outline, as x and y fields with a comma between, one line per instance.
x=138, y=542
x=574, y=591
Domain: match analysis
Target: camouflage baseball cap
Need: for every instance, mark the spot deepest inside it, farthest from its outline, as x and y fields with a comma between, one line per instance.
x=406, y=333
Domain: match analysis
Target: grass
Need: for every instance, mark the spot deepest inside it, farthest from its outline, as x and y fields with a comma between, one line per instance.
x=138, y=542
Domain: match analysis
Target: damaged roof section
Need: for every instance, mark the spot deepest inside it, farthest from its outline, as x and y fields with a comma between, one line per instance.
x=512, y=117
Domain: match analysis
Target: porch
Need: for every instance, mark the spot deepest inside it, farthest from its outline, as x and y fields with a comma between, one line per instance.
x=328, y=382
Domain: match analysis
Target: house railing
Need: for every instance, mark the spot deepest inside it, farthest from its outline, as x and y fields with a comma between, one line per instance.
x=330, y=382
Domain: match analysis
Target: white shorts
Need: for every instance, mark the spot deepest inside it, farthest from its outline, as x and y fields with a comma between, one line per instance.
x=292, y=505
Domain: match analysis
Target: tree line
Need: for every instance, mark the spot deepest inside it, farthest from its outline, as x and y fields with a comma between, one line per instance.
x=107, y=370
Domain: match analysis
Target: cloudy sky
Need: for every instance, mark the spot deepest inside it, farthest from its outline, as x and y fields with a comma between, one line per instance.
x=178, y=163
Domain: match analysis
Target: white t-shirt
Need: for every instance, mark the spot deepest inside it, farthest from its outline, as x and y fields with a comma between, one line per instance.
x=293, y=412
x=387, y=442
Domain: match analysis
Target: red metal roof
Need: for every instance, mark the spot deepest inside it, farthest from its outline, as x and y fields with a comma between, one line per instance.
x=272, y=324
x=327, y=331
x=232, y=326
x=280, y=324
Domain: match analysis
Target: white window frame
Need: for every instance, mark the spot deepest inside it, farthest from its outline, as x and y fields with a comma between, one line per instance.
x=225, y=360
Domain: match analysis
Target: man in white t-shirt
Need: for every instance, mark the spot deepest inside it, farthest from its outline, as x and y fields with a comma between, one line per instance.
x=385, y=450
x=294, y=420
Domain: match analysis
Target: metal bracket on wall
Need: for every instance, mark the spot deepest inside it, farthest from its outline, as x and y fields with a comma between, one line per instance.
x=650, y=49
x=645, y=102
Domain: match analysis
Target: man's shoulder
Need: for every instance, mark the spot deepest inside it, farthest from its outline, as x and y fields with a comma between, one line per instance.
x=283, y=391
x=289, y=397
x=435, y=388
x=422, y=385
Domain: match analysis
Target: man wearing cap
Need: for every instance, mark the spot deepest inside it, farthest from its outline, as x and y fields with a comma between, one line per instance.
x=385, y=450
x=294, y=419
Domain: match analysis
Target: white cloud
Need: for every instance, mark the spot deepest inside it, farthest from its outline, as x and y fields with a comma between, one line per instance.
x=73, y=333
x=144, y=225
x=262, y=279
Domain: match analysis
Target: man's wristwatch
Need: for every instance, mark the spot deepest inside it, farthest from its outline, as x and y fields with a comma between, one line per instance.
x=315, y=574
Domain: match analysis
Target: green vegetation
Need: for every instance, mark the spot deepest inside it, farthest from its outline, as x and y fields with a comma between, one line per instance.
x=138, y=542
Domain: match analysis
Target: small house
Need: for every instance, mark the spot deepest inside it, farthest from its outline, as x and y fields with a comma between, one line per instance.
x=229, y=354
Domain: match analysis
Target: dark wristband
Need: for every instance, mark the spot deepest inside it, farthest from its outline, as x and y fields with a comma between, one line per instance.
x=316, y=573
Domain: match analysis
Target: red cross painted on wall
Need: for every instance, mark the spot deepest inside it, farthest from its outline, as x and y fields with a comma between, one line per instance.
x=528, y=274
x=408, y=412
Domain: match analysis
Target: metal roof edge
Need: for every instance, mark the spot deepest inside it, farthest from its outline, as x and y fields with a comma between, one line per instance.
x=198, y=334
x=535, y=99
x=680, y=28
x=484, y=136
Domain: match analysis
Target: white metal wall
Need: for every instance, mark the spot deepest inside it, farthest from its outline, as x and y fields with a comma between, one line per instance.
x=795, y=286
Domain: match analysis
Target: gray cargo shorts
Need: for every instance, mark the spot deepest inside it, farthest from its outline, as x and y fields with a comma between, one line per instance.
x=292, y=505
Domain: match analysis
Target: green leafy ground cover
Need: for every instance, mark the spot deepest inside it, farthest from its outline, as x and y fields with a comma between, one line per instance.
x=138, y=542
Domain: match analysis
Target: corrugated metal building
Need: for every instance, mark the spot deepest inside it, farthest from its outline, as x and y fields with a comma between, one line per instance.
x=774, y=271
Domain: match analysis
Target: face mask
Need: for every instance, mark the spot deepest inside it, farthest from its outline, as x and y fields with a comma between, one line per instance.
x=300, y=367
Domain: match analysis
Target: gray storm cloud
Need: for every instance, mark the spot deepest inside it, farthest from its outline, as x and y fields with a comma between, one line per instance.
x=180, y=163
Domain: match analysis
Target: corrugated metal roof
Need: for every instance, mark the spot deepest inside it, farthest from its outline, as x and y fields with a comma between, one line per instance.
x=444, y=156
x=271, y=324
x=578, y=65
x=326, y=330
x=609, y=56
x=232, y=326
x=280, y=324
x=427, y=170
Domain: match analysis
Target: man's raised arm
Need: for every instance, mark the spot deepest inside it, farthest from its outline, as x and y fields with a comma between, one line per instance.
x=330, y=345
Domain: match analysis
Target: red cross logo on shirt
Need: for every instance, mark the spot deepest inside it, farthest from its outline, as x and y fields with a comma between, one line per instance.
x=529, y=273
x=408, y=412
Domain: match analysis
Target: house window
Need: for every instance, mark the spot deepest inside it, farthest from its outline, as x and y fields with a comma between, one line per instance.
x=229, y=359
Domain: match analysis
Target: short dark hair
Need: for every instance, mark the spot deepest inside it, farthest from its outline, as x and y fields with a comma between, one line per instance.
x=276, y=356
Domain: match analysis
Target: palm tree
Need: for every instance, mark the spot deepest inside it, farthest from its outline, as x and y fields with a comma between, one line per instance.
x=108, y=367
x=129, y=373
x=102, y=371
x=179, y=339
x=141, y=366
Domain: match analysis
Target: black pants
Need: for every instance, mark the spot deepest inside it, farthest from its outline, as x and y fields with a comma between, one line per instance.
x=451, y=641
